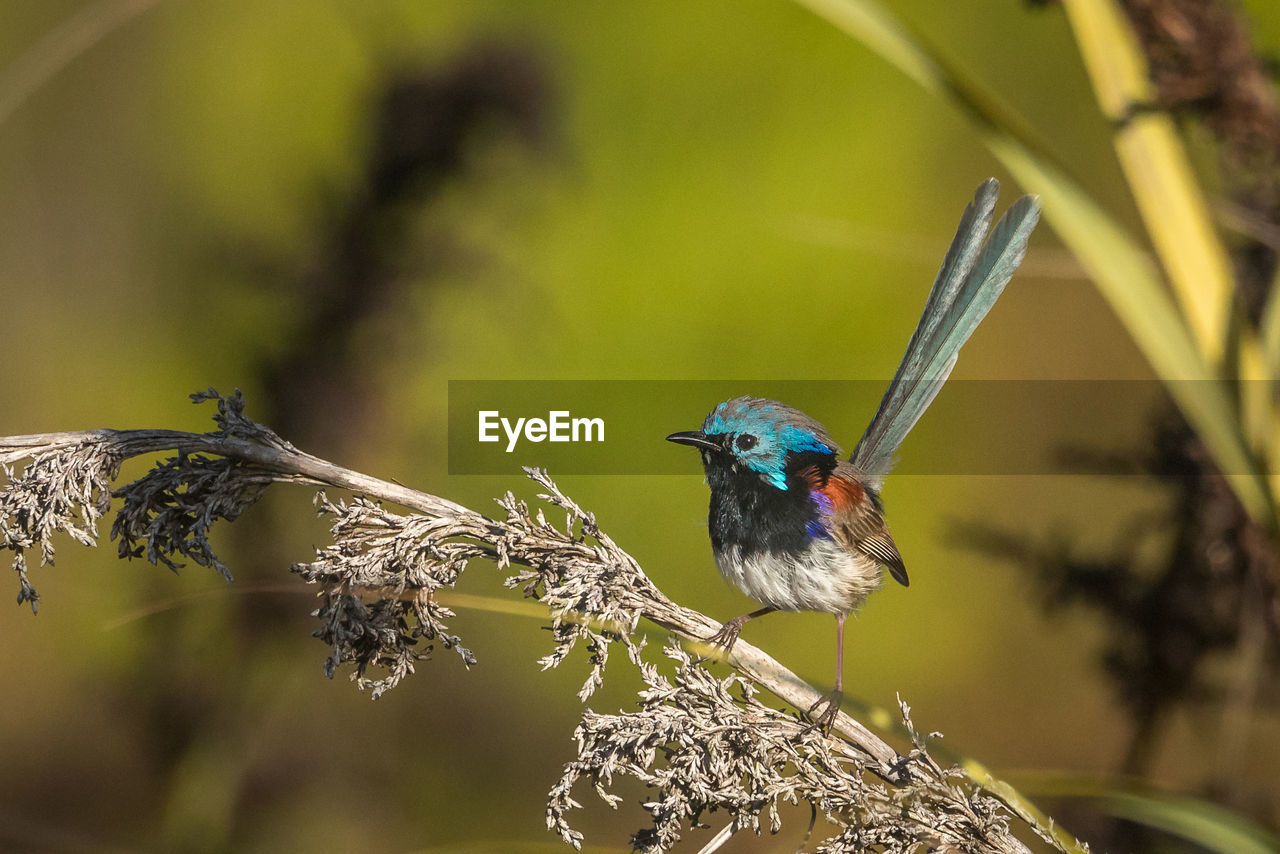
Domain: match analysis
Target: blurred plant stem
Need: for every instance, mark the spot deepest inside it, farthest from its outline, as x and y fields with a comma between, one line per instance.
x=1160, y=176
x=1205, y=824
x=35, y=66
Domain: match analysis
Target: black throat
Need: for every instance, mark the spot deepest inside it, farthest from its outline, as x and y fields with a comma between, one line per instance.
x=754, y=516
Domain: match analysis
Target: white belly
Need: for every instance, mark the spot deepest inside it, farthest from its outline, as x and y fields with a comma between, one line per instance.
x=824, y=578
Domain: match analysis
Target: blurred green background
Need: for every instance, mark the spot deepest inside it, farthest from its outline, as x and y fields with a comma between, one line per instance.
x=717, y=190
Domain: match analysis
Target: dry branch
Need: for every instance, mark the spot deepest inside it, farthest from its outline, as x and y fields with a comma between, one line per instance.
x=702, y=744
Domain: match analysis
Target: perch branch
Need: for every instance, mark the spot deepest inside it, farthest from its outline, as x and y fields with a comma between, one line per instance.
x=719, y=747
x=287, y=464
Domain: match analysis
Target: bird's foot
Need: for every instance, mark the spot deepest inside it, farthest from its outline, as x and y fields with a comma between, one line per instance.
x=727, y=636
x=825, y=719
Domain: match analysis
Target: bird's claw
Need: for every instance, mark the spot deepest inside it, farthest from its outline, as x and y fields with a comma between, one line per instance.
x=825, y=719
x=725, y=637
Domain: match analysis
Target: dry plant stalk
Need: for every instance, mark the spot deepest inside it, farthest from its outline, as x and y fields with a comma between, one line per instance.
x=702, y=744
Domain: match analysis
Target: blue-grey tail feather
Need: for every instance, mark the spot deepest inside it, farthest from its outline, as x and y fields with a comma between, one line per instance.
x=970, y=280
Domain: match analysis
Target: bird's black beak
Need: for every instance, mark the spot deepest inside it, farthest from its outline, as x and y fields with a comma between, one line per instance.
x=696, y=438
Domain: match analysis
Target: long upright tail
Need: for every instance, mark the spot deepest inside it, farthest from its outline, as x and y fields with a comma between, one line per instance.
x=971, y=279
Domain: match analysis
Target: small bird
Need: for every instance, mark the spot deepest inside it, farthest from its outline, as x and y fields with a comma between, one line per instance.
x=793, y=524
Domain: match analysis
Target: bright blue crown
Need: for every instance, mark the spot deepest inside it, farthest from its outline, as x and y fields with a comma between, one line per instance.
x=779, y=430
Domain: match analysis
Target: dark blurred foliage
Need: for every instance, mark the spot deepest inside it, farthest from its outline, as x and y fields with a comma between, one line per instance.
x=1169, y=616
x=1202, y=61
x=1203, y=64
x=423, y=124
x=1211, y=593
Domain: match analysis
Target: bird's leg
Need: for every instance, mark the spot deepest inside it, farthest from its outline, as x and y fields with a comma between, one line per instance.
x=728, y=634
x=831, y=702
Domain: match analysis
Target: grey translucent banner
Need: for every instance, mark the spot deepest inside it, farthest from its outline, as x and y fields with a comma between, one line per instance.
x=1000, y=427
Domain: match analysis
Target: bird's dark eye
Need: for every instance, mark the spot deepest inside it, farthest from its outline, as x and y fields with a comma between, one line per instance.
x=745, y=441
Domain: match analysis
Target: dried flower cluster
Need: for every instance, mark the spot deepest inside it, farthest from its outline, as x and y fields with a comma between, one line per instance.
x=402, y=561
x=64, y=488
x=701, y=744
x=705, y=744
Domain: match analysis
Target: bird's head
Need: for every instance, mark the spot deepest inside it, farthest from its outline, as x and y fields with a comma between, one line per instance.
x=759, y=435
